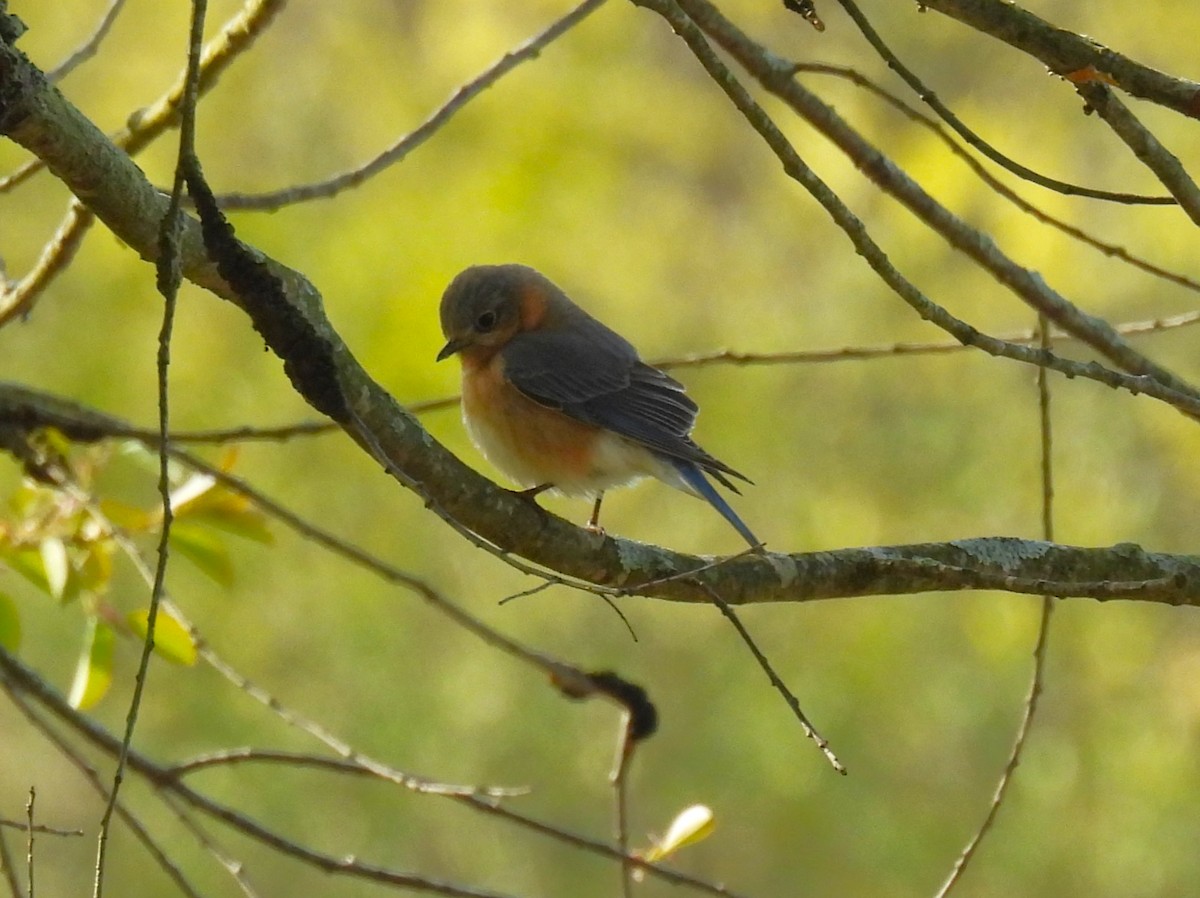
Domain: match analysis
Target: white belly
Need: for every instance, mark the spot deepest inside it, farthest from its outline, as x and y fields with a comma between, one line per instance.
x=614, y=461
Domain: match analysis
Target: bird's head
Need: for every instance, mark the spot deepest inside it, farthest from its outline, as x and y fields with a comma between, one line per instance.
x=487, y=305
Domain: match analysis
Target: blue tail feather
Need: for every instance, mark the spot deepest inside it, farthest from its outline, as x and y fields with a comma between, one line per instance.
x=694, y=478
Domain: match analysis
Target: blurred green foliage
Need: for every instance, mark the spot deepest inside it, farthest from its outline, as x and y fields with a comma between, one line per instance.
x=612, y=165
x=63, y=540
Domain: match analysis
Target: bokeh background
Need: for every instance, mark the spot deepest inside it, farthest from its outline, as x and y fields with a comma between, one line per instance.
x=614, y=166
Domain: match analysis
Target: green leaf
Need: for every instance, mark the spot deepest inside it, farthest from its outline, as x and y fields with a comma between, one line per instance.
x=171, y=641
x=93, y=673
x=10, y=623
x=28, y=563
x=48, y=567
x=205, y=549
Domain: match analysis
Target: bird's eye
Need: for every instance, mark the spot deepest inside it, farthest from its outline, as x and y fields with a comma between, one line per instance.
x=485, y=322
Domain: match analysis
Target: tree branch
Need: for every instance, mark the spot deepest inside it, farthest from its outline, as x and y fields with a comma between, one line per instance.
x=1030, y=567
x=777, y=76
x=1065, y=52
x=1144, y=145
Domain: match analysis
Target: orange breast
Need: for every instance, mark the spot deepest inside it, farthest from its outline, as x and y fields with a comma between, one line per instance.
x=532, y=444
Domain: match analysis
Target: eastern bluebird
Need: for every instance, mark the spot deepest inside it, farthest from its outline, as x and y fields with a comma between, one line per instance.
x=555, y=399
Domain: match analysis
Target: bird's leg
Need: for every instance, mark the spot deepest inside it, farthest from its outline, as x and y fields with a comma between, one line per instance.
x=593, y=524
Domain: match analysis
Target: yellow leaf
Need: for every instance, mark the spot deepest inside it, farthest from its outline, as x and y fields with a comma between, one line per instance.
x=93, y=673
x=172, y=642
x=689, y=826
x=129, y=517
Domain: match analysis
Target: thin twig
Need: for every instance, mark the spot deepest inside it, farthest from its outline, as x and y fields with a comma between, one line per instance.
x=351, y=762
x=1109, y=249
x=704, y=568
x=93, y=778
x=18, y=681
x=41, y=828
x=17, y=299
x=169, y=277
x=247, y=434
x=1066, y=53
x=405, y=145
x=235, y=868
x=619, y=778
x=148, y=123
x=29, y=837
x=1145, y=146
x=89, y=47
x=777, y=682
x=945, y=113
x=548, y=584
x=283, y=432
x=775, y=76
x=1039, y=649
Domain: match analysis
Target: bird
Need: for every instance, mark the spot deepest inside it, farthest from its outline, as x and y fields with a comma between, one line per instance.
x=557, y=400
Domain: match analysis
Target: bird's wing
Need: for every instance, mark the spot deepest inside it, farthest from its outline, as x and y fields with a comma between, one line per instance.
x=594, y=375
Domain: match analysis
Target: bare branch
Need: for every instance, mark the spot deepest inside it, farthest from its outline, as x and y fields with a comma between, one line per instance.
x=776, y=76
x=17, y=299
x=21, y=682
x=1145, y=146
x=405, y=145
x=169, y=278
x=88, y=48
x=947, y=115
x=30, y=830
x=1000, y=563
x=1043, y=634
x=23, y=826
x=235, y=868
x=148, y=123
x=1109, y=249
x=1065, y=53
x=777, y=683
x=93, y=778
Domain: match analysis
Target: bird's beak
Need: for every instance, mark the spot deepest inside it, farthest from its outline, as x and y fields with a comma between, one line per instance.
x=452, y=347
